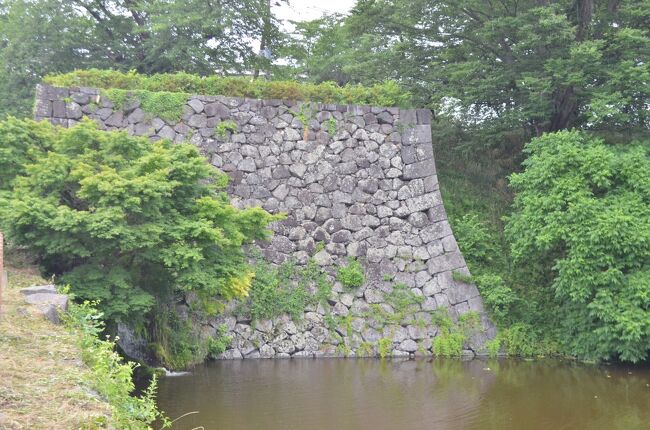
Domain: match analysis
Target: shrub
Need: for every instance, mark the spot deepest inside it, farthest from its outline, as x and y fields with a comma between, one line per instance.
x=448, y=344
x=384, y=94
x=476, y=239
x=219, y=343
x=111, y=376
x=352, y=275
x=21, y=143
x=582, y=213
x=520, y=340
x=498, y=297
x=126, y=221
x=451, y=337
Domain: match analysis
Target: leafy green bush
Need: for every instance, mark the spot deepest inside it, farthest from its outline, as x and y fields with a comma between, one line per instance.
x=451, y=337
x=173, y=340
x=386, y=94
x=219, y=343
x=520, y=340
x=448, y=344
x=498, y=297
x=126, y=221
x=582, y=213
x=477, y=241
x=111, y=376
x=352, y=275
x=21, y=143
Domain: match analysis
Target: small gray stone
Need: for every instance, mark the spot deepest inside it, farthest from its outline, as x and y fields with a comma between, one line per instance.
x=267, y=351
x=408, y=345
x=196, y=105
x=247, y=165
x=73, y=110
x=342, y=236
x=373, y=296
x=420, y=169
x=323, y=258
x=217, y=110
x=136, y=116
x=167, y=132
x=115, y=120
x=198, y=121
x=44, y=289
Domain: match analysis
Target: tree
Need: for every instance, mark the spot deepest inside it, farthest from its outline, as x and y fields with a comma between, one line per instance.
x=126, y=221
x=150, y=36
x=583, y=209
x=509, y=67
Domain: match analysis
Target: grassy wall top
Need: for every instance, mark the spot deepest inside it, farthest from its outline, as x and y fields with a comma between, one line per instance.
x=385, y=94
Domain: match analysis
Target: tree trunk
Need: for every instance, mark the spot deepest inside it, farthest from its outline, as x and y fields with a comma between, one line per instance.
x=565, y=109
x=265, y=30
x=585, y=10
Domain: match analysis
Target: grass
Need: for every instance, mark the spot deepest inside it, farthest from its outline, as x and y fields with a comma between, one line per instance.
x=44, y=381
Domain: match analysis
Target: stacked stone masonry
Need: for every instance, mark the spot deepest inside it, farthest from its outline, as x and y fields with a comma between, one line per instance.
x=359, y=180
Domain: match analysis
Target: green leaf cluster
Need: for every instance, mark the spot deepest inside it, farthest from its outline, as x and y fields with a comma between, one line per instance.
x=162, y=104
x=151, y=36
x=123, y=220
x=381, y=94
x=451, y=337
x=111, y=376
x=285, y=289
x=504, y=71
x=582, y=219
x=352, y=275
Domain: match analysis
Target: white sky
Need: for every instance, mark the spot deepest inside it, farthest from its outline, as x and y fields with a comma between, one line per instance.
x=305, y=10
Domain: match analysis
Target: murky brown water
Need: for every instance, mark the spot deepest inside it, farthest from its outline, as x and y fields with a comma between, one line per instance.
x=344, y=394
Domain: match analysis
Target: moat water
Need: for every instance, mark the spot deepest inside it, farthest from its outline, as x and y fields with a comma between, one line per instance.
x=342, y=394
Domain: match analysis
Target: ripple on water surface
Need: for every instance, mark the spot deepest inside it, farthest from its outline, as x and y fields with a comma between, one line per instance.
x=436, y=394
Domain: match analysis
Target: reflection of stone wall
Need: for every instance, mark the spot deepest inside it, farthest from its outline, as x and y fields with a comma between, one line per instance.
x=359, y=179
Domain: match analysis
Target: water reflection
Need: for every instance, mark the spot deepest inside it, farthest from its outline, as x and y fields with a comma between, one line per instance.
x=423, y=394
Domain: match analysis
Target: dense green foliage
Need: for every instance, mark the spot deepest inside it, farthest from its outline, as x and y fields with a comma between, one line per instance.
x=166, y=105
x=285, y=289
x=583, y=209
x=151, y=36
x=451, y=337
x=112, y=378
x=22, y=143
x=383, y=94
x=503, y=70
x=352, y=275
x=126, y=221
x=476, y=200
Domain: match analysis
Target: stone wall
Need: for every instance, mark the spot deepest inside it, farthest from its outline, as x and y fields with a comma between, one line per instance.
x=355, y=181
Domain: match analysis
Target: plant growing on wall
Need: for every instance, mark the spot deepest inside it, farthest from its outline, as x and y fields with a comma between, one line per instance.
x=352, y=275
x=284, y=289
x=162, y=104
x=305, y=114
x=224, y=127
